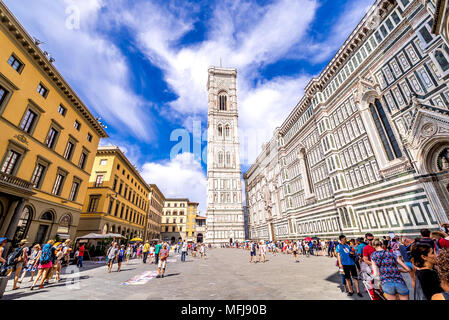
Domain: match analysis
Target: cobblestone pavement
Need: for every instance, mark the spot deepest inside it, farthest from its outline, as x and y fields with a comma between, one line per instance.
x=224, y=274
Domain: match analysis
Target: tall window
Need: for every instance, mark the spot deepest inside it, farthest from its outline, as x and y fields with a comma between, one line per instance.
x=69, y=150
x=220, y=130
x=58, y=184
x=83, y=159
x=222, y=101
x=385, y=131
x=439, y=56
x=99, y=180
x=37, y=175
x=74, y=191
x=3, y=94
x=220, y=158
x=115, y=184
x=228, y=159
x=227, y=131
x=28, y=121
x=93, y=204
x=51, y=138
x=10, y=162
x=62, y=110
x=42, y=90
x=15, y=63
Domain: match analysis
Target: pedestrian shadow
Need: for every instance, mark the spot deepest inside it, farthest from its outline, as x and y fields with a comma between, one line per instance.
x=171, y=275
x=23, y=294
x=130, y=269
x=336, y=278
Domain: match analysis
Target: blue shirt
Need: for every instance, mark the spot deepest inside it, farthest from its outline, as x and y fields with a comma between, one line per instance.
x=360, y=249
x=344, y=251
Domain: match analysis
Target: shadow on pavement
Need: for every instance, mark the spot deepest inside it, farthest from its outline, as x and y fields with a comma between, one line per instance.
x=336, y=278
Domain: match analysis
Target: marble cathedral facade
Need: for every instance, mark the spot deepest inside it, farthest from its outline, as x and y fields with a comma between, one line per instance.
x=367, y=147
x=225, y=221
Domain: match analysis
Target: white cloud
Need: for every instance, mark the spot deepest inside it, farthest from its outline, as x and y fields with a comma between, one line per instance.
x=92, y=64
x=181, y=176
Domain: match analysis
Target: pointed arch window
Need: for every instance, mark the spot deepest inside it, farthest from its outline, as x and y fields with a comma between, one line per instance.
x=227, y=131
x=386, y=134
x=220, y=130
x=442, y=61
x=228, y=158
x=220, y=158
x=222, y=101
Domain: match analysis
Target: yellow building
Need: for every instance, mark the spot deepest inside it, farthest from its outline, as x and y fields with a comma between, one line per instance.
x=154, y=216
x=117, y=197
x=173, y=226
x=191, y=222
x=47, y=143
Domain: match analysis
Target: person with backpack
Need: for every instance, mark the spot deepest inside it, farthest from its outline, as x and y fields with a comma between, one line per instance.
x=345, y=256
x=112, y=255
x=16, y=259
x=45, y=264
x=253, y=252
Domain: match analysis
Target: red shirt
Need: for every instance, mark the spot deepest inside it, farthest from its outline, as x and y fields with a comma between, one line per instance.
x=443, y=243
x=367, y=251
x=81, y=251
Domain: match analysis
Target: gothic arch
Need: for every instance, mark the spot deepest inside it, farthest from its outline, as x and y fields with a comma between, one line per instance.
x=48, y=215
x=428, y=156
x=223, y=102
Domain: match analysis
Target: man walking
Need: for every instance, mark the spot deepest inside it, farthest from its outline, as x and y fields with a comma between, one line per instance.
x=146, y=249
x=157, y=249
x=112, y=255
x=183, y=251
x=81, y=250
x=253, y=252
x=345, y=257
x=163, y=255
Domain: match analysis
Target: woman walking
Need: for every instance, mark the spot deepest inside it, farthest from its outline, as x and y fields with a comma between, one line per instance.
x=386, y=266
x=31, y=264
x=129, y=251
x=443, y=272
x=427, y=282
x=45, y=264
x=295, y=251
x=120, y=256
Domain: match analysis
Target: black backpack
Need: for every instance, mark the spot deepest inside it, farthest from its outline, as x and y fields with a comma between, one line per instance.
x=13, y=256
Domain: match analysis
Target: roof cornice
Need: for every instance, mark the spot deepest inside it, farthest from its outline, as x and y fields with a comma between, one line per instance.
x=18, y=32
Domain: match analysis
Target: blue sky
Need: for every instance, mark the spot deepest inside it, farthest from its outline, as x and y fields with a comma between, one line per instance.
x=141, y=66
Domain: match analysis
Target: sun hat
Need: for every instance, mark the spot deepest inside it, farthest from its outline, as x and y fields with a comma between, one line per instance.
x=23, y=241
x=3, y=240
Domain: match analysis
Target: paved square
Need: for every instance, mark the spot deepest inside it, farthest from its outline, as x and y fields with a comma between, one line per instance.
x=224, y=274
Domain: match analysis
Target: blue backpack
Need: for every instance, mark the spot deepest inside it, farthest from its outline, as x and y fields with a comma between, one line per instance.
x=46, y=254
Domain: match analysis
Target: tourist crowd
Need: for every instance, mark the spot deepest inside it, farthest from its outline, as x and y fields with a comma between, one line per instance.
x=380, y=264
x=44, y=262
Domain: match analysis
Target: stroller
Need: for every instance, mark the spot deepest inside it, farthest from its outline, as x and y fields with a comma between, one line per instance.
x=368, y=282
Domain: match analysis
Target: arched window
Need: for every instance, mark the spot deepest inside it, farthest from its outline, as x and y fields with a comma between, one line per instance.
x=227, y=131
x=48, y=216
x=222, y=101
x=385, y=131
x=64, y=224
x=442, y=61
x=220, y=130
x=228, y=159
x=24, y=224
x=220, y=158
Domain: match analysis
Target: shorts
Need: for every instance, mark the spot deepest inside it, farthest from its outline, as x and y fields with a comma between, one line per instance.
x=349, y=271
x=253, y=253
x=294, y=252
x=45, y=266
x=162, y=264
x=120, y=259
x=18, y=265
x=394, y=288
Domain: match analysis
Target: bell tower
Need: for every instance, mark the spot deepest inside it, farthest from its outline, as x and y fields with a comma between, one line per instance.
x=225, y=220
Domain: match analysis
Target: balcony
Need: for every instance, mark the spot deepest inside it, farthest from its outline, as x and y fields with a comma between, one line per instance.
x=12, y=184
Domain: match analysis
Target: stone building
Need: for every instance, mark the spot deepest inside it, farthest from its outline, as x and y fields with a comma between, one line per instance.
x=201, y=228
x=154, y=218
x=48, y=141
x=192, y=210
x=117, y=199
x=173, y=226
x=367, y=147
x=224, y=190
